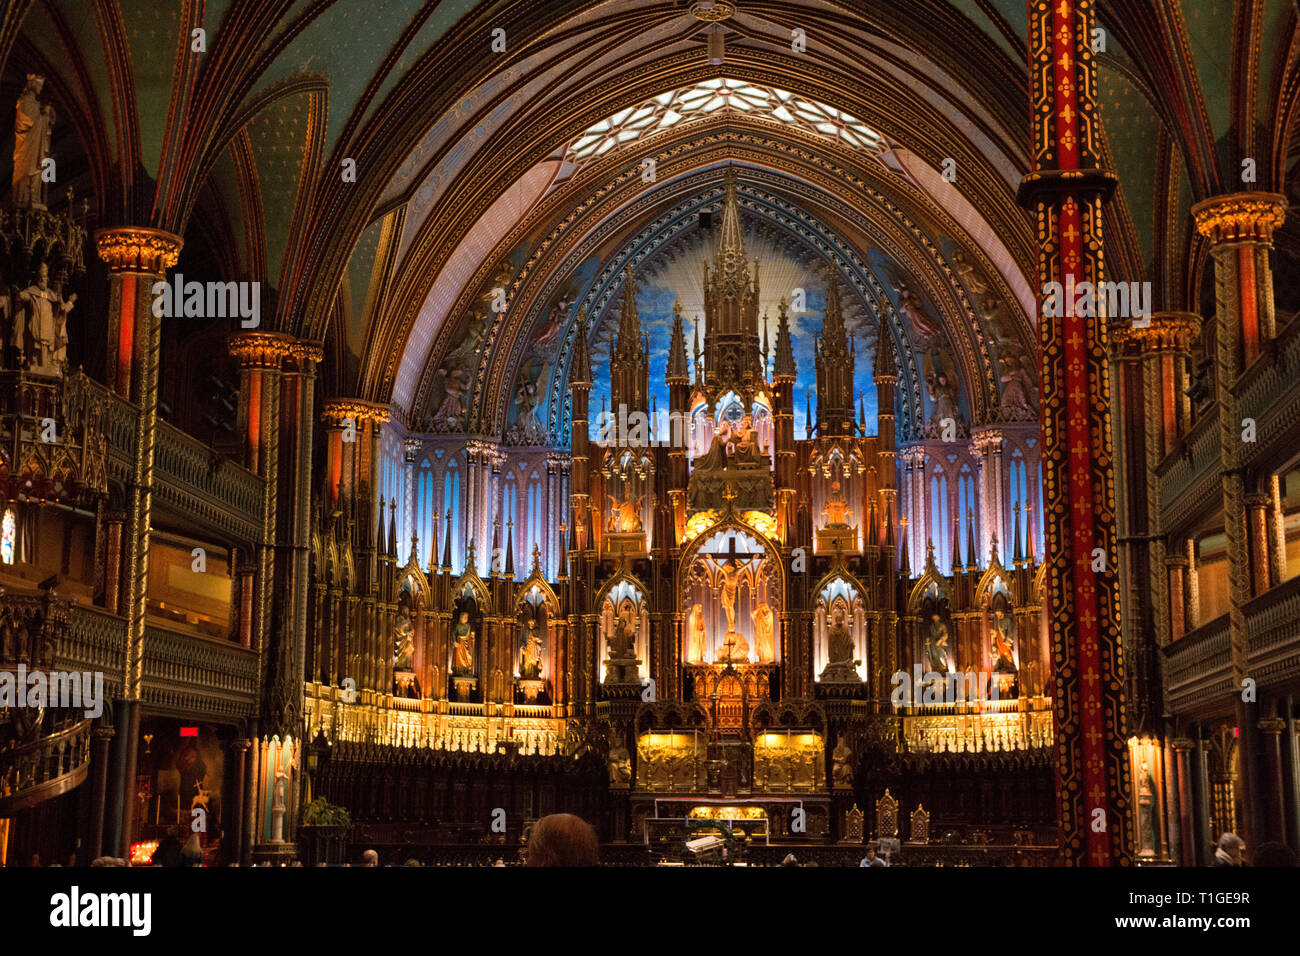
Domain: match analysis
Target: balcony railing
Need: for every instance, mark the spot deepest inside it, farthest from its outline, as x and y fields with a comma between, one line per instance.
x=1273, y=623
x=197, y=674
x=1198, y=667
x=209, y=489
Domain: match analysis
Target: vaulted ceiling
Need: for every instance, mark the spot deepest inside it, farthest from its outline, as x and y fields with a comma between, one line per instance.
x=474, y=165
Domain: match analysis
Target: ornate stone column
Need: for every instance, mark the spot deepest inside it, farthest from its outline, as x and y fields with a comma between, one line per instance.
x=1176, y=569
x=136, y=259
x=1240, y=229
x=1257, y=530
x=260, y=356
x=1273, y=787
x=1186, y=829
x=1193, y=588
x=1067, y=190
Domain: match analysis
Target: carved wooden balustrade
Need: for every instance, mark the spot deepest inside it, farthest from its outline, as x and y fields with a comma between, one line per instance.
x=214, y=493
x=190, y=674
x=44, y=750
x=52, y=437
x=1198, y=666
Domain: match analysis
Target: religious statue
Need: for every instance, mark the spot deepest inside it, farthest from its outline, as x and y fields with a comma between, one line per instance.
x=966, y=269
x=840, y=641
x=450, y=412
x=1017, y=388
x=842, y=764
x=729, y=575
x=279, y=798
x=1146, y=811
x=735, y=649
x=943, y=394
x=42, y=317
x=1002, y=643
x=33, y=122
x=626, y=514
x=530, y=655
x=467, y=342
x=910, y=307
x=404, y=642
x=698, y=638
x=837, y=509
x=554, y=322
x=528, y=428
x=622, y=643
x=620, y=765
x=936, y=644
x=744, y=450
x=991, y=313
x=764, y=633
x=463, y=648
x=841, y=666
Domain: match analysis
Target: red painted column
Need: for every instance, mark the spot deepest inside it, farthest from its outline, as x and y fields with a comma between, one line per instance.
x=1067, y=190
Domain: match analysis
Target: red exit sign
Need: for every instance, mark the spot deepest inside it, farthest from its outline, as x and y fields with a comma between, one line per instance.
x=189, y=731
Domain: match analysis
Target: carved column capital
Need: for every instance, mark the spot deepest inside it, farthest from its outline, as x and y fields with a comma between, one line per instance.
x=138, y=249
x=335, y=410
x=1162, y=331
x=1240, y=217
x=1272, y=725
x=262, y=350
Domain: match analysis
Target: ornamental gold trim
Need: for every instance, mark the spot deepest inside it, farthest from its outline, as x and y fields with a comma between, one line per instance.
x=261, y=349
x=335, y=410
x=1171, y=331
x=1240, y=217
x=138, y=249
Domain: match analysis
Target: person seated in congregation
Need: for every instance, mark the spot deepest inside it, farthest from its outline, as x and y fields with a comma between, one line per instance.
x=562, y=839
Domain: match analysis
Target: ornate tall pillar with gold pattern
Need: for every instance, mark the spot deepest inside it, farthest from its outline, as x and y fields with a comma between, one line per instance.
x=1066, y=190
x=1240, y=229
x=136, y=259
x=1149, y=352
x=261, y=356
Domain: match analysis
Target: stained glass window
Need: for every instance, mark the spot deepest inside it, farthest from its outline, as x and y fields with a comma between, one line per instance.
x=7, y=530
x=668, y=109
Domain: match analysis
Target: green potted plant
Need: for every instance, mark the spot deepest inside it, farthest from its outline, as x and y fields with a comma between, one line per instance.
x=323, y=833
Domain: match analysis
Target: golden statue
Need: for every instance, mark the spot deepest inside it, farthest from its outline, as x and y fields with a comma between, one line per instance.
x=837, y=508
x=735, y=649
x=698, y=638
x=463, y=651
x=626, y=514
x=530, y=655
x=764, y=637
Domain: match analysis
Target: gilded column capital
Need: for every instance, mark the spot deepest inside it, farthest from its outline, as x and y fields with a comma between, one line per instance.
x=1240, y=217
x=1272, y=725
x=260, y=349
x=335, y=410
x=1182, y=744
x=138, y=249
x=1163, y=331
x=305, y=350
x=987, y=440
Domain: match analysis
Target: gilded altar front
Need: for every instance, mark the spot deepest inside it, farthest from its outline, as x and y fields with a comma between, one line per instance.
x=791, y=761
x=672, y=762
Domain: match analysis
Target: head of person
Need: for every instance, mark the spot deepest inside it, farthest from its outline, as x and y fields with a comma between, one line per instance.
x=562, y=839
x=1274, y=854
x=871, y=851
x=370, y=858
x=790, y=860
x=1232, y=845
